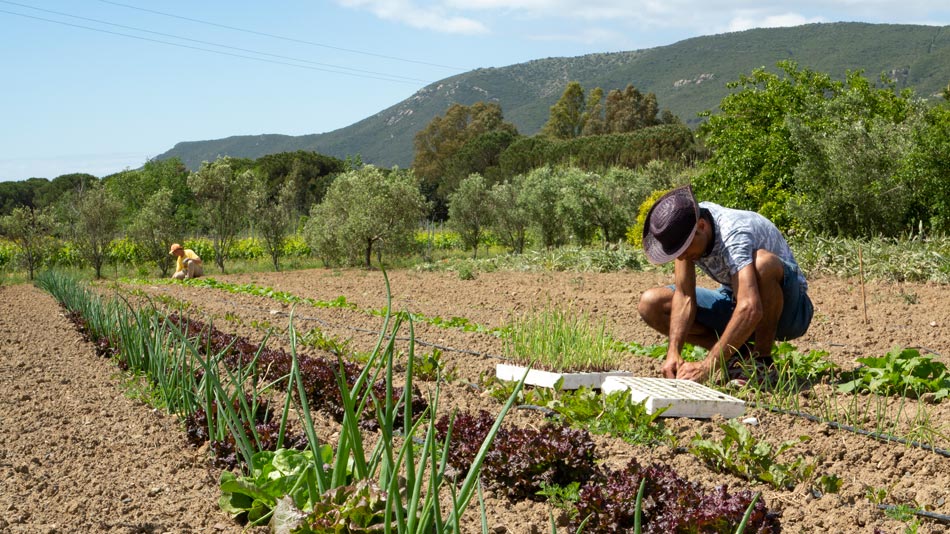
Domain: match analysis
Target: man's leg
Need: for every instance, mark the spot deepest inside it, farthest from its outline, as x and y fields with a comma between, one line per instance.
x=770, y=272
x=189, y=269
x=655, y=308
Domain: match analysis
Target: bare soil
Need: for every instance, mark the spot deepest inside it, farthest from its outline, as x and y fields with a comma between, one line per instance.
x=79, y=453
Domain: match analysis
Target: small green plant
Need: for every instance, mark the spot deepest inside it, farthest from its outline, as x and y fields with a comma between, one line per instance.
x=900, y=372
x=562, y=497
x=901, y=512
x=740, y=453
x=875, y=495
x=802, y=367
x=500, y=390
x=232, y=317
x=559, y=340
x=275, y=474
x=828, y=484
x=173, y=303
x=261, y=325
x=467, y=271
x=615, y=414
x=318, y=339
x=431, y=366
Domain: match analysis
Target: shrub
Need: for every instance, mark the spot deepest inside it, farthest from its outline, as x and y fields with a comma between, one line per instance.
x=635, y=232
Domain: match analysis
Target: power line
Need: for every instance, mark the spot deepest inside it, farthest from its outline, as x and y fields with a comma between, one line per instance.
x=283, y=38
x=133, y=28
x=381, y=76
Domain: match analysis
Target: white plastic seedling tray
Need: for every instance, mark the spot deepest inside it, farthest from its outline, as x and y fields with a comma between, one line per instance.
x=547, y=379
x=683, y=397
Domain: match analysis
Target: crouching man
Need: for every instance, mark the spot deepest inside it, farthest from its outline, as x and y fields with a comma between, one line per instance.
x=762, y=295
x=189, y=264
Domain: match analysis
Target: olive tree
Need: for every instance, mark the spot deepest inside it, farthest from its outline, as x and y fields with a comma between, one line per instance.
x=274, y=213
x=31, y=230
x=96, y=223
x=509, y=214
x=470, y=210
x=364, y=210
x=155, y=227
x=224, y=202
x=541, y=193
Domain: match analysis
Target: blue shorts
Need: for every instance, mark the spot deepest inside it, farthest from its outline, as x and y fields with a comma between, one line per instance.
x=714, y=307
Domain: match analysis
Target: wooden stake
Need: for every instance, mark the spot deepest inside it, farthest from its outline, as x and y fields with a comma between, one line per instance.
x=864, y=298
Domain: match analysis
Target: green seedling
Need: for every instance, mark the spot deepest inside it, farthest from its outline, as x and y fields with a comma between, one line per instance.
x=318, y=339
x=614, y=414
x=561, y=497
x=431, y=367
x=876, y=495
x=740, y=453
x=828, y=484
x=559, y=340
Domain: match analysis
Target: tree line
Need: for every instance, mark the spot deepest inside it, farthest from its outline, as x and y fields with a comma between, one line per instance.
x=846, y=158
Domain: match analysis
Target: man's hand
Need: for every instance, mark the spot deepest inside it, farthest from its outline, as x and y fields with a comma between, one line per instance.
x=672, y=364
x=696, y=371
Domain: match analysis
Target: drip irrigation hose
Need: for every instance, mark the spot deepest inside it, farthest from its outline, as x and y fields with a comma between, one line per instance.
x=546, y=411
x=922, y=513
x=418, y=341
x=876, y=435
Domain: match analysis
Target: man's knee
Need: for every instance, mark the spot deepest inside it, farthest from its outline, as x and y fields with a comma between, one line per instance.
x=653, y=302
x=769, y=267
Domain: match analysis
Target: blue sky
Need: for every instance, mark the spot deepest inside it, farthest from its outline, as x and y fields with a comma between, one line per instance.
x=98, y=86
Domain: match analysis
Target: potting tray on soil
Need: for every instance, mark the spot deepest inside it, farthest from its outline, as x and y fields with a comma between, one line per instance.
x=682, y=397
x=547, y=379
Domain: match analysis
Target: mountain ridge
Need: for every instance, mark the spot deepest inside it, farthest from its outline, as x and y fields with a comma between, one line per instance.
x=688, y=77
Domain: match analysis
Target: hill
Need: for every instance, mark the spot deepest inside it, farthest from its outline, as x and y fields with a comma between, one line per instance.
x=687, y=77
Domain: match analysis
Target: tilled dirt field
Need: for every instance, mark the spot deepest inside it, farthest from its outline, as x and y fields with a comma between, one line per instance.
x=77, y=454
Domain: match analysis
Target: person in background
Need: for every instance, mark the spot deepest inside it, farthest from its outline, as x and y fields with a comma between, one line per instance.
x=763, y=295
x=189, y=264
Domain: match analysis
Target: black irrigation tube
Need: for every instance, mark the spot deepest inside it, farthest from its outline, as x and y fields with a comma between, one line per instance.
x=922, y=513
x=876, y=435
x=375, y=332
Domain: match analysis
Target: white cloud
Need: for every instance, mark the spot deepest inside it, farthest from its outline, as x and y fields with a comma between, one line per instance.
x=432, y=17
x=633, y=17
x=744, y=22
x=584, y=36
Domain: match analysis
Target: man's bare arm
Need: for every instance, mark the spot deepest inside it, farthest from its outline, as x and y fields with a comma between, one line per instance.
x=682, y=314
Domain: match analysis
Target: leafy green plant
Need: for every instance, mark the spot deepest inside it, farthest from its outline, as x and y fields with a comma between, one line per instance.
x=828, y=484
x=559, y=340
x=740, y=453
x=901, y=512
x=802, y=367
x=467, y=272
x=318, y=339
x=615, y=414
x=561, y=497
x=876, y=495
x=502, y=389
x=431, y=366
x=276, y=474
x=900, y=372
